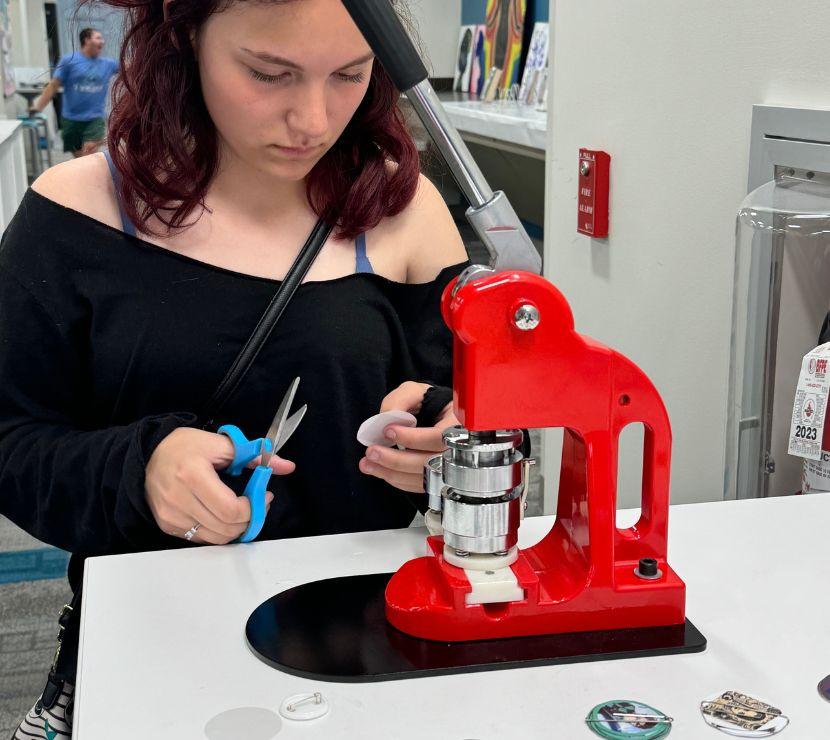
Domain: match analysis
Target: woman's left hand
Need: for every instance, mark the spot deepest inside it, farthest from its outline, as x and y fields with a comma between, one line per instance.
x=404, y=469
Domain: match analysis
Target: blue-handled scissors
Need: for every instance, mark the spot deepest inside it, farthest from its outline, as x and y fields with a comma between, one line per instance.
x=245, y=450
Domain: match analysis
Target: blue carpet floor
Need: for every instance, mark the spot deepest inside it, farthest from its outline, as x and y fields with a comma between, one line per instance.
x=32, y=565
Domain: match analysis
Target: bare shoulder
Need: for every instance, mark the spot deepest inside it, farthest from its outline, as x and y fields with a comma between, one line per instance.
x=425, y=233
x=84, y=185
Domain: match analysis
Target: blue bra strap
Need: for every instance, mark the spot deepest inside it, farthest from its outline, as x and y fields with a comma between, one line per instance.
x=126, y=225
x=362, y=263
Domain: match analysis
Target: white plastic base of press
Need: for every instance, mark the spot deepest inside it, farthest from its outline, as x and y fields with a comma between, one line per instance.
x=493, y=586
x=491, y=577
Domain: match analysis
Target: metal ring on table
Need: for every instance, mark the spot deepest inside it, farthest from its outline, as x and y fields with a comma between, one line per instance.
x=192, y=531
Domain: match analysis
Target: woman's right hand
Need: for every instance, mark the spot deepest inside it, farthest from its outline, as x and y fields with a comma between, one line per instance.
x=183, y=488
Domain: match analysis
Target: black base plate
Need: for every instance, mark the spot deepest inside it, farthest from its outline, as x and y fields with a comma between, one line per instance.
x=336, y=630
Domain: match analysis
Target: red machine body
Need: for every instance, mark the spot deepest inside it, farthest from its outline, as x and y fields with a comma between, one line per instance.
x=580, y=577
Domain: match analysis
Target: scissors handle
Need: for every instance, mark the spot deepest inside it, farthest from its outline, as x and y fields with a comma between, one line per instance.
x=255, y=493
x=244, y=449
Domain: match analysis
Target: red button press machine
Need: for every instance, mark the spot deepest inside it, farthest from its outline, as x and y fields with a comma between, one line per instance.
x=588, y=589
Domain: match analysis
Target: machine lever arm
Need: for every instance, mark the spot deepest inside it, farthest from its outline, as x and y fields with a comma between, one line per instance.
x=490, y=214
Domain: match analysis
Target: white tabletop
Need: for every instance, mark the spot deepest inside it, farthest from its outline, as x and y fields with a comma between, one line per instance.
x=163, y=651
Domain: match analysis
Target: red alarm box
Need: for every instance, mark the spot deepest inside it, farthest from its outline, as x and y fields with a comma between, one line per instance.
x=592, y=218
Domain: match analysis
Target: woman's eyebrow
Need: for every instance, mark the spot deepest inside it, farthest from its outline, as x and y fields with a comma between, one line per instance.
x=273, y=59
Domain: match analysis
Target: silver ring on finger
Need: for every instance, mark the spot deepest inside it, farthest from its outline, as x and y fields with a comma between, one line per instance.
x=192, y=531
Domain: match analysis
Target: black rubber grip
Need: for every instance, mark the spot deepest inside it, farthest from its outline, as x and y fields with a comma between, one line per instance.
x=382, y=28
x=435, y=400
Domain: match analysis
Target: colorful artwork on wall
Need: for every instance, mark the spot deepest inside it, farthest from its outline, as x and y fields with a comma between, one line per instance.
x=491, y=85
x=535, y=65
x=503, y=38
x=478, y=73
x=464, y=62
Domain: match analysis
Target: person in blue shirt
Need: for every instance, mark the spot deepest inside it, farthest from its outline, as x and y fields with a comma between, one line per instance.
x=84, y=76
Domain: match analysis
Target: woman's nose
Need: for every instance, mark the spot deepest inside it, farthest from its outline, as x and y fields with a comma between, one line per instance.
x=308, y=117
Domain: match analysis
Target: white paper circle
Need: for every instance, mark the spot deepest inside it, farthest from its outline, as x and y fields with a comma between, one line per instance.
x=371, y=430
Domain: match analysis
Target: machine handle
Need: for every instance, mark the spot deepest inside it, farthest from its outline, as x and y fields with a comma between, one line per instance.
x=382, y=28
x=490, y=214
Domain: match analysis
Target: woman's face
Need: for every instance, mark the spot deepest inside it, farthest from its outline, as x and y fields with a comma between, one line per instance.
x=282, y=80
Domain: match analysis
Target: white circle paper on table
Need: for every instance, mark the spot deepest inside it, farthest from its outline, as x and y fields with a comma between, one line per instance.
x=371, y=431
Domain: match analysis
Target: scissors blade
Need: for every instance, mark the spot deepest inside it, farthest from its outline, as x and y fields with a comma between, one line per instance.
x=291, y=424
x=278, y=424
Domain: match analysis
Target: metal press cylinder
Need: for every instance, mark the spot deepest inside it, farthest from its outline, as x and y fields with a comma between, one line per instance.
x=481, y=527
x=481, y=489
x=434, y=483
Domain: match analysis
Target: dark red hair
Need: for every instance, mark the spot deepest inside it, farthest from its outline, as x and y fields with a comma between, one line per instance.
x=165, y=145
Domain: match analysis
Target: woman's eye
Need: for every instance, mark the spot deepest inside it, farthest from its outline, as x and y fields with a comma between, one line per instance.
x=268, y=78
x=359, y=77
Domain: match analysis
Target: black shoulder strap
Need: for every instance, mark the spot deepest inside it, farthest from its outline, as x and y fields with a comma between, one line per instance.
x=266, y=324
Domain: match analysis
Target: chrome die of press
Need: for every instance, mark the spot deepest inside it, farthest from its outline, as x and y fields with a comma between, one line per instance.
x=482, y=472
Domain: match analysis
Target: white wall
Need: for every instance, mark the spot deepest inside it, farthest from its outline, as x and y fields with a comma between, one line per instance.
x=667, y=87
x=29, y=45
x=104, y=18
x=438, y=23
x=38, y=43
x=28, y=22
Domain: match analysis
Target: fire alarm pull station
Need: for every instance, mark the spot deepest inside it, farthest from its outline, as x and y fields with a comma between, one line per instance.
x=592, y=219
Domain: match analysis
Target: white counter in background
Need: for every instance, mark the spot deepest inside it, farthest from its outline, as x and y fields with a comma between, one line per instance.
x=510, y=126
x=13, y=182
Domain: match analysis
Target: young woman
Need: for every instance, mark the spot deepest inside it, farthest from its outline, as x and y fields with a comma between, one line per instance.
x=128, y=285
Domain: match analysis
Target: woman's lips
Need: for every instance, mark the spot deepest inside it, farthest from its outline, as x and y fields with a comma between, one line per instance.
x=297, y=152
